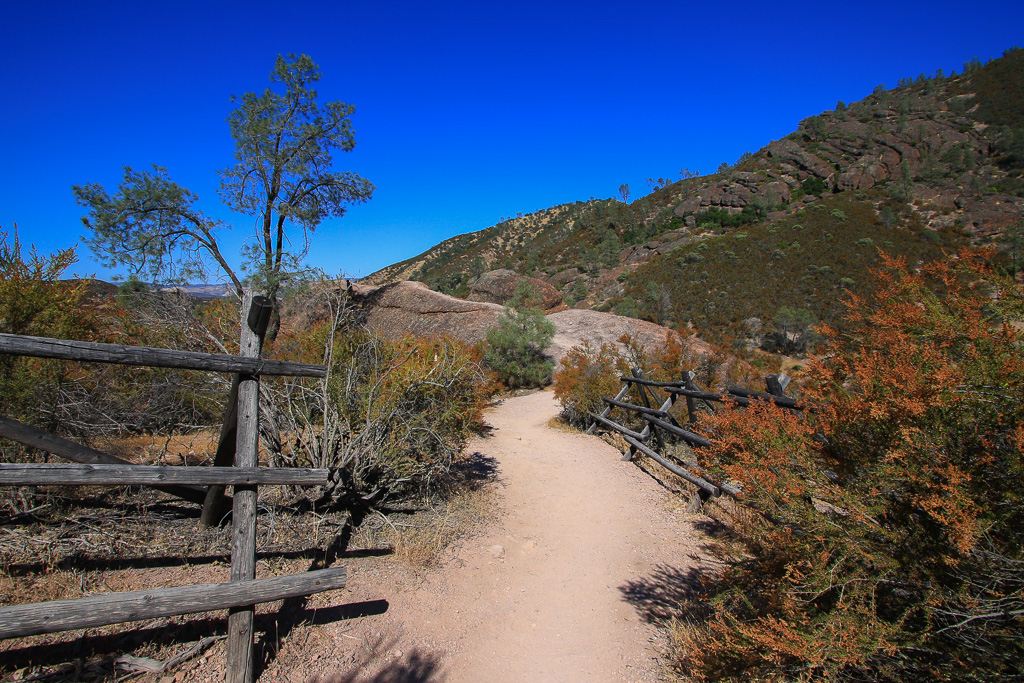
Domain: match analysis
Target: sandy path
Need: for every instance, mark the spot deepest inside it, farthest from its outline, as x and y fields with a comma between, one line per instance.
x=580, y=529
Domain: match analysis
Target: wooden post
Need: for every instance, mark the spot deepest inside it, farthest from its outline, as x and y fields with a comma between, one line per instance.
x=255, y=318
x=665, y=407
x=691, y=405
x=777, y=384
x=639, y=374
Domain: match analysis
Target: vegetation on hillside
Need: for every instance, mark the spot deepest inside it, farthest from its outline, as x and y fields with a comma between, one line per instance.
x=805, y=261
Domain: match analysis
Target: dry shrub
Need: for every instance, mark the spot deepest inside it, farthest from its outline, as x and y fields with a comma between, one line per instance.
x=587, y=373
x=391, y=417
x=584, y=376
x=890, y=544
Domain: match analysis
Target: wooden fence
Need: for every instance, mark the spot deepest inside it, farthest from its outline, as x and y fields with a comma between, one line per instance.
x=661, y=421
x=235, y=464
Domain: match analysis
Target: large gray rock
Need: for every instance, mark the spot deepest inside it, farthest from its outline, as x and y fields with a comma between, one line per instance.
x=574, y=327
x=409, y=307
x=499, y=286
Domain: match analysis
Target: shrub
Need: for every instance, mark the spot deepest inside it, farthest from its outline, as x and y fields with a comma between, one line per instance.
x=893, y=547
x=33, y=301
x=584, y=375
x=515, y=347
x=392, y=416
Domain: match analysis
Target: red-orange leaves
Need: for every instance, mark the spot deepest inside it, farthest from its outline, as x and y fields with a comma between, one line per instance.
x=890, y=547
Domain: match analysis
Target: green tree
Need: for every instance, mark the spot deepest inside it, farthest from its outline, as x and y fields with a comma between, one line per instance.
x=515, y=347
x=794, y=330
x=282, y=177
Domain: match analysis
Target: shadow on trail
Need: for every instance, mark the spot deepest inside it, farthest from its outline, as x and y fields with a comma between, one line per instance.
x=668, y=593
x=413, y=668
x=475, y=470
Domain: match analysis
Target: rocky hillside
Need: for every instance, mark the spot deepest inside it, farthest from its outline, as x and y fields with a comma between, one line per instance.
x=914, y=171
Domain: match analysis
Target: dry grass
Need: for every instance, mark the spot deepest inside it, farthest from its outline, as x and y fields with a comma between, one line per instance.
x=196, y=448
x=559, y=424
x=425, y=538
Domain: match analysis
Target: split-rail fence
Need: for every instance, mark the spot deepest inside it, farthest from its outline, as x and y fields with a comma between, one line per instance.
x=661, y=421
x=235, y=464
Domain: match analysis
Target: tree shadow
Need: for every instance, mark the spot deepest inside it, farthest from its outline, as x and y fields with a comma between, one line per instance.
x=668, y=593
x=415, y=667
x=295, y=611
x=475, y=470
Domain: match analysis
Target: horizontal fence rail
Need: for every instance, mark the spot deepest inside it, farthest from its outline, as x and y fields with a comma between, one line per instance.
x=115, y=608
x=51, y=443
x=66, y=349
x=31, y=474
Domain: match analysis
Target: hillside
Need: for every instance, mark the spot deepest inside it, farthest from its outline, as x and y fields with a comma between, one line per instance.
x=915, y=171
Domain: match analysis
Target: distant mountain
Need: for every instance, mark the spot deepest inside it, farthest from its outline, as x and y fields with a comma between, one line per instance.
x=916, y=171
x=215, y=291
x=101, y=288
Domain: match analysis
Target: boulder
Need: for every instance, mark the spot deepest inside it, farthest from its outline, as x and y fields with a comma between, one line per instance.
x=412, y=308
x=573, y=327
x=564, y=277
x=409, y=307
x=499, y=286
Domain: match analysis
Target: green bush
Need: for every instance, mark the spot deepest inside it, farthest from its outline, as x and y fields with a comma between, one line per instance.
x=515, y=347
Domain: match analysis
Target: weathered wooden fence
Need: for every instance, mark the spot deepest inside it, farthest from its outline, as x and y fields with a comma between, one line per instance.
x=235, y=464
x=661, y=420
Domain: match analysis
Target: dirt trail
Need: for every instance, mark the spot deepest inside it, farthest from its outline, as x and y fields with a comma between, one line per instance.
x=563, y=586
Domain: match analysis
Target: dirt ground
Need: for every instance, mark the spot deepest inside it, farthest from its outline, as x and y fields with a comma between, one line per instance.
x=575, y=563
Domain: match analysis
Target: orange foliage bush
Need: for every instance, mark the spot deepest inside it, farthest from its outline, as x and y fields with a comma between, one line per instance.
x=587, y=373
x=890, y=545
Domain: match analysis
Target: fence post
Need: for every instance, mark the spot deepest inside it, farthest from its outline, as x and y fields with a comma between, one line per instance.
x=255, y=318
x=608, y=409
x=691, y=405
x=215, y=503
x=777, y=384
x=639, y=374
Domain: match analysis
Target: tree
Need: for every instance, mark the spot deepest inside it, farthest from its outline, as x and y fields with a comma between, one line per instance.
x=794, y=331
x=624, y=193
x=284, y=140
x=515, y=347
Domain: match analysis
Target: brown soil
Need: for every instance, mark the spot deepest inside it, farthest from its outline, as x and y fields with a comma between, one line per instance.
x=589, y=555
x=576, y=559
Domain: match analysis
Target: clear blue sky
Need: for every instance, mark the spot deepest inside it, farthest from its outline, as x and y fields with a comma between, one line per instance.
x=465, y=112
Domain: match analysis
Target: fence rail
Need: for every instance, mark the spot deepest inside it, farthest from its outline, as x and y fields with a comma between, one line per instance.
x=116, y=608
x=145, y=356
x=48, y=474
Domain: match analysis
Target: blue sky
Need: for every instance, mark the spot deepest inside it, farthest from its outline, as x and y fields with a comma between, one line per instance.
x=465, y=112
